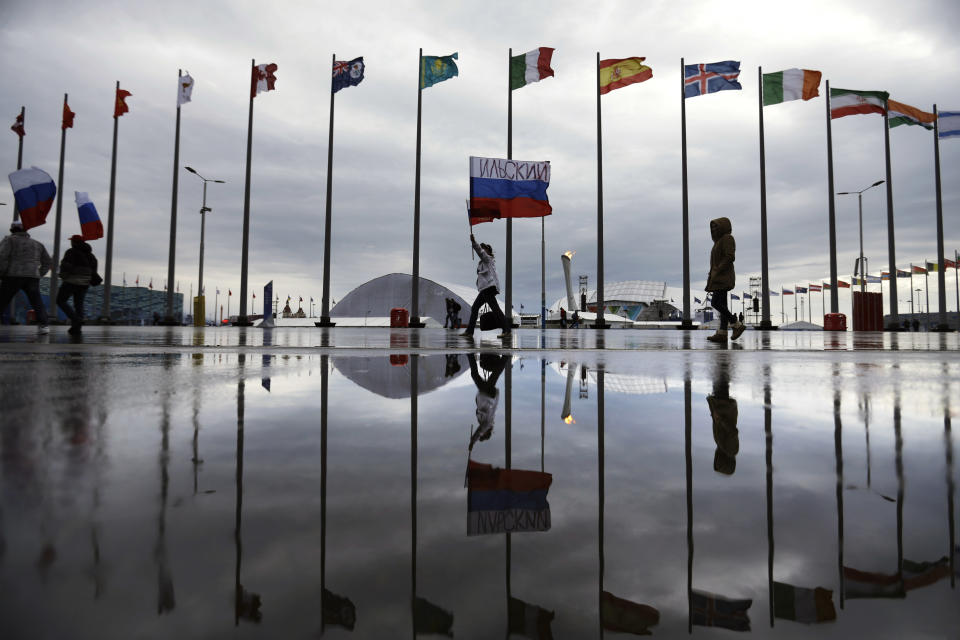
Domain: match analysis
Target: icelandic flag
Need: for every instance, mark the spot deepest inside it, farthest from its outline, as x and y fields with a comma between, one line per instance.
x=506, y=500
x=502, y=188
x=90, y=226
x=34, y=191
x=701, y=79
x=347, y=74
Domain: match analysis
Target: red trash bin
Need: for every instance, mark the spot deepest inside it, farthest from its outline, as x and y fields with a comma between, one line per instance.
x=834, y=322
x=399, y=317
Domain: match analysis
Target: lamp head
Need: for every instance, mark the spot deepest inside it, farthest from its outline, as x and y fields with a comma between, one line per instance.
x=190, y=169
x=878, y=182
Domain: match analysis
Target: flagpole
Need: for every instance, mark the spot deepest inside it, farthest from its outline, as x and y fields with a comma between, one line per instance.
x=508, y=287
x=56, y=225
x=941, y=263
x=685, y=323
x=894, y=307
x=16, y=211
x=173, y=210
x=832, y=215
x=415, y=305
x=599, y=323
x=764, y=271
x=242, y=317
x=325, y=299
x=926, y=289
x=105, y=313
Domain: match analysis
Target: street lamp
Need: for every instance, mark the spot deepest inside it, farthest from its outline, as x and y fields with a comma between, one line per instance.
x=203, y=210
x=863, y=271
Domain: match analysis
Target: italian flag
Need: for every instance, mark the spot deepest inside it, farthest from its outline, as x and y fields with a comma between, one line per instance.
x=847, y=102
x=792, y=84
x=899, y=113
x=529, y=67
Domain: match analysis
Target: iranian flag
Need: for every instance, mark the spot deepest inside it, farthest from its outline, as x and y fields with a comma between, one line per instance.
x=529, y=67
x=847, y=102
x=900, y=113
x=791, y=84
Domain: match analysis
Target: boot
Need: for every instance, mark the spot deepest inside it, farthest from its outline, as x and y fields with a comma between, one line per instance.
x=738, y=329
x=719, y=336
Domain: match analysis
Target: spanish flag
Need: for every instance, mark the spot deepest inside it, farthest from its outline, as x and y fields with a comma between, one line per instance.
x=615, y=74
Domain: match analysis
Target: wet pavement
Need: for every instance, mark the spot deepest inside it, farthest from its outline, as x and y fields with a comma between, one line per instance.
x=221, y=483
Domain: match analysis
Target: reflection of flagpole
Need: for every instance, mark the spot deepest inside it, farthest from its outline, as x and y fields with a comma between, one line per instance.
x=173, y=210
x=165, y=594
x=55, y=265
x=838, y=452
x=688, y=457
x=898, y=448
x=948, y=442
x=325, y=299
x=768, y=432
x=600, y=489
x=414, y=365
x=324, y=375
x=238, y=543
x=508, y=442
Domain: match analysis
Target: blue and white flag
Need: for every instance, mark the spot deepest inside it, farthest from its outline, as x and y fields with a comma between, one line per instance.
x=347, y=74
x=734, y=296
x=948, y=124
x=34, y=192
x=701, y=79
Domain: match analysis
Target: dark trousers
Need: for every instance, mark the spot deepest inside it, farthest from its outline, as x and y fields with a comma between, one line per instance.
x=9, y=287
x=719, y=302
x=487, y=296
x=78, y=292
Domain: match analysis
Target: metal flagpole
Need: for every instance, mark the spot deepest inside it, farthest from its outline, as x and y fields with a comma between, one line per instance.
x=926, y=289
x=242, y=318
x=686, y=323
x=54, y=267
x=941, y=263
x=415, y=305
x=325, y=299
x=543, y=276
x=832, y=217
x=894, y=309
x=599, y=323
x=168, y=320
x=764, y=263
x=105, y=313
x=16, y=211
x=508, y=287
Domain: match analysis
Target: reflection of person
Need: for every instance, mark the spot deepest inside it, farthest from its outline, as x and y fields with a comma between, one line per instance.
x=487, y=395
x=23, y=261
x=723, y=411
x=78, y=270
x=488, y=286
x=722, y=277
x=453, y=314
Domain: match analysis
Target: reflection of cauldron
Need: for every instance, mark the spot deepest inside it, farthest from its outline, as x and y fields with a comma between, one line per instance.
x=390, y=377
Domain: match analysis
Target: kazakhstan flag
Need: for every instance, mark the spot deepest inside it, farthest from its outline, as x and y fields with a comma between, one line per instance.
x=434, y=69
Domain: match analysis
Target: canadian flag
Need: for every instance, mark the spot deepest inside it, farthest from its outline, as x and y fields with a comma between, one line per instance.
x=263, y=79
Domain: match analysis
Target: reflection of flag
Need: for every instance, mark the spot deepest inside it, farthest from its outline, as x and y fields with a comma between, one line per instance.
x=434, y=69
x=262, y=79
x=34, y=191
x=617, y=73
x=803, y=605
x=529, y=620
x=865, y=584
x=709, y=610
x=120, y=103
x=617, y=614
x=347, y=73
x=17, y=126
x=90, y=226
x=429, y=618
x=532, y=66
x=506, y=500
x=921, y=574
x=502, y=188
x=701, y=79
x=847, y=102
x=338, y=610
x=67, y=117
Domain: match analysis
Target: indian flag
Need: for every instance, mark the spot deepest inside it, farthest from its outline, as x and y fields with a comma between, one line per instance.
x=847, y=102
x=529, y=67
x=900, y=113
x=792, y=84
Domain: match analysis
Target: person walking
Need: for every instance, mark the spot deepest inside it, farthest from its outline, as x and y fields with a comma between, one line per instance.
x=23, y=261
x=78, y=270
x=722, y=277
x=488, y=286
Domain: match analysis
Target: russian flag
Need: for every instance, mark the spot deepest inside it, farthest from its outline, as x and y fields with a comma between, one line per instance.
x=506, y=500
x=90, y=226
x=34, y=192
x=502, y=188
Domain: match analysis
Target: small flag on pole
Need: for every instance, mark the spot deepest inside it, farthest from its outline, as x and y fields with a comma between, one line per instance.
x=734, y=296
x=803, y=605
x=347, y=73
x=185, y=89
x=90, y=226
x=791, y=84
x=948, y=124
x=842, y=285
x=900, y=113
x=68, y=116
x=120, y=103
x=787, y=292
x=17, y=126
x=263, y=79
x=701, y=79
x=618, y=73
x=801, y=289
x=532, y=66
x=434, y=69
x=933, y=266
x=847, y=102
x=918, y=269
x=34, y=191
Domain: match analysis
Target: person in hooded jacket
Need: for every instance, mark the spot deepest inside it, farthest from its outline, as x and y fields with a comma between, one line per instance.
x=78, y=270
x=23, y=261
x=722, y=277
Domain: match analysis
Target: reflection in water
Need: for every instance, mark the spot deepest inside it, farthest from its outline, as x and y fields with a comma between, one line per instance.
x=246, y=603
x=723, y=412
x=487, y=397
x=954, y=550
x=389, y=376
x=166, y=600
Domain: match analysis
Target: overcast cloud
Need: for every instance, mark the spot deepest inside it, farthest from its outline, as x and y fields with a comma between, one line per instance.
x=84, y=48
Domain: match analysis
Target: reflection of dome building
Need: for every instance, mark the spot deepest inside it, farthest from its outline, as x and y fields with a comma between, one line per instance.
x=390, y=376
x=642, y=300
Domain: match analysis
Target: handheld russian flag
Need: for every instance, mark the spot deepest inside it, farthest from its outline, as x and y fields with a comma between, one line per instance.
x=34, y=191
x=502, y=188
x=90, y=226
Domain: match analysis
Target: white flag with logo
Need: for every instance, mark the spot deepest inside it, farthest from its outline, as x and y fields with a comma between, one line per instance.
x=186, y=88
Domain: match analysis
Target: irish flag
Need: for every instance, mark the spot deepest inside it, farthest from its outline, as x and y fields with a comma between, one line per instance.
x=530, y=67
x=900, y=113
x=803, y=605
x=792, y=84
x=847, y=102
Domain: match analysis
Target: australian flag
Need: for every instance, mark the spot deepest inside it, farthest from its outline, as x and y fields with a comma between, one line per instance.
x=347, y=74
x=700, y=79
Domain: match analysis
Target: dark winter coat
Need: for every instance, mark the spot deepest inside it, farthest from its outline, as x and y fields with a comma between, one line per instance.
x=722, y=276
x=78, y=265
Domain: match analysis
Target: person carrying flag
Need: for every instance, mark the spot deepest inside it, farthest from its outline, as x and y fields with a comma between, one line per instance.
x=488, y=286
x=23, y=261
x=78, y=270
x=722, y=277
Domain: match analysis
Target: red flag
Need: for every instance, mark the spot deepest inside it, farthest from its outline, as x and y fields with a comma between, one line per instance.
x=17, y=126
x=67, y=117
x=120, y=106
x=842, y=285
x=262, y=78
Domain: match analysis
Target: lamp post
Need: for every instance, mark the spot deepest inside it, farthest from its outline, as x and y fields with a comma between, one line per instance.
x=203, y=211
x=863, y=270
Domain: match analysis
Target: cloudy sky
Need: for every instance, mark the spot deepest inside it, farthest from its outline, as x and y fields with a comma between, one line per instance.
x=84, y=48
